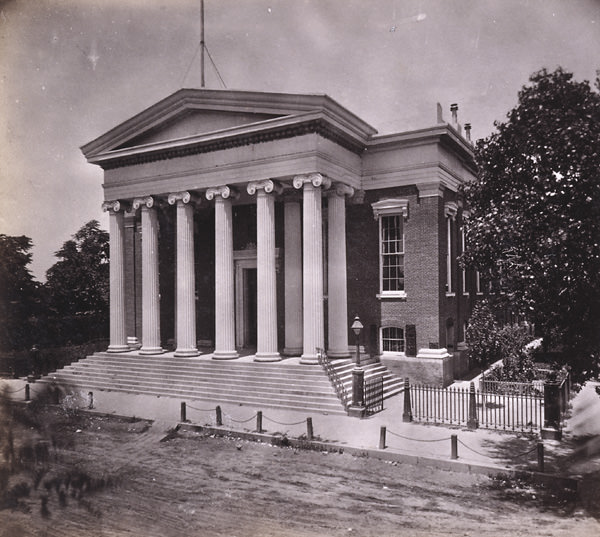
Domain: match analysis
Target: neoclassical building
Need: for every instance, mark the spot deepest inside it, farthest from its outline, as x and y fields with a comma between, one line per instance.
x=250, y=222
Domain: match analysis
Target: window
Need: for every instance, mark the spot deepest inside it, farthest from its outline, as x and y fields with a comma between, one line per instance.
x=391, y=214
x=450, y=210
x=392, y=339
x=392, y=254
x=464, y=270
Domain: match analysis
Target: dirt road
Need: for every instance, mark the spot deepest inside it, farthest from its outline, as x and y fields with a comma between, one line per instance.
x=102, y=476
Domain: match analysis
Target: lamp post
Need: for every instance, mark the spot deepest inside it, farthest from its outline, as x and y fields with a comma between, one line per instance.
x=357, y=408
x=356, y=328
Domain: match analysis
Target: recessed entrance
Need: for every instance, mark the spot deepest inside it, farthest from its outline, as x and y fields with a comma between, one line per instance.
x=245, y=298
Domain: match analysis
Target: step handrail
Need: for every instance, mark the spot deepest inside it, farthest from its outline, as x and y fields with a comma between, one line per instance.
x=334, y=378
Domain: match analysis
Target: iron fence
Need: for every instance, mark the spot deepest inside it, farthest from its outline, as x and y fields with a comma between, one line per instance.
x=506, y=411
x=373, y=394
x=334, y=377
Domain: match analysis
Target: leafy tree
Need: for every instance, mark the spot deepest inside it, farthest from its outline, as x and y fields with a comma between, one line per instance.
x=482, y=335
x=77, y=286
x=19, y=296
x=535, y=211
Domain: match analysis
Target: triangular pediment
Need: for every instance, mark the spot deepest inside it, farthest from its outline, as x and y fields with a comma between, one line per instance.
x=195, y=116
x=190, y=123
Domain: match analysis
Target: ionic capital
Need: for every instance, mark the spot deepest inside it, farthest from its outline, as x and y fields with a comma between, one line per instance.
x=315, y=178
x=184, y=196
x=223, y=192
x=114, y=206
x=268, y=185
x=148, y=201
x=342, y=190
x=450, y=209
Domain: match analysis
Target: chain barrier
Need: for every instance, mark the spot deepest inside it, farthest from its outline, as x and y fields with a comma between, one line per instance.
x=473, y=450
x=286, y=424
x=534, y=448
x=6, y=390
x=200, y=409
x=416, y=439
x=240, y=421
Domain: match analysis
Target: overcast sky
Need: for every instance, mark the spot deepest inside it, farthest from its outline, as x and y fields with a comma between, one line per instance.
x=72, y=69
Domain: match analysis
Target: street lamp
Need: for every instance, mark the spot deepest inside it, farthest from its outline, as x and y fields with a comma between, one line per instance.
x=356, y=328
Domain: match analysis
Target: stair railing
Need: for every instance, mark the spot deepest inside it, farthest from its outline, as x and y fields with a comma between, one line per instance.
x=334, y=377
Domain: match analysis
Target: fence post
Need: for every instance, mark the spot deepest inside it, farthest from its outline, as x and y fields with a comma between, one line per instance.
x=56, y=394
x=183, y=417
x=90, y=400
x=472, y=422
x=453, y=447
x=382, y=432
x=309, y=429
x=219, y=415
x=540, y=456
x=407, y=412
x=552, y=414
x=259, y=428
x=27, y=392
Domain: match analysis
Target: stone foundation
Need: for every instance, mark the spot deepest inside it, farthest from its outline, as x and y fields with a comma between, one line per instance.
x=431, y=366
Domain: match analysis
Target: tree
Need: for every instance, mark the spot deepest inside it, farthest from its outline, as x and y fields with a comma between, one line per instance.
x=535, y=211
x=19, y=297
x=77, y=286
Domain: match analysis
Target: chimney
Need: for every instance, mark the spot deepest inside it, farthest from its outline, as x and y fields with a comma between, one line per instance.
x=454, y=110
x=468, y=131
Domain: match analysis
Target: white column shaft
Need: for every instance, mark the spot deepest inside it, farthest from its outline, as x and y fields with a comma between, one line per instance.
x=150, y=283
x=266, y=321
x=312, y=268
x=118, y=332
x=186, y=285
x=293, y=278
x=224, y=278
x=338, y=296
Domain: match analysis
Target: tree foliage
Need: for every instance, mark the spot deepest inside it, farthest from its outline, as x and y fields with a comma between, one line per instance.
x=19, y=297
x=535, y=210
x=77, y=285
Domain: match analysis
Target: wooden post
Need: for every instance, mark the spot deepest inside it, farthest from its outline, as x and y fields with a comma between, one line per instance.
x=259, y=428
x=309, y=429
x=183, y=417
x=540, y=456
x=219, y=416
x=382, y=432
x=407, y=412
x=56, y=394
x=453, y=447
x=472, y=422
x=27, y=394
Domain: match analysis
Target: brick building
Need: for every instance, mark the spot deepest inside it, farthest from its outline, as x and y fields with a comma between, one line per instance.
x=265, y=222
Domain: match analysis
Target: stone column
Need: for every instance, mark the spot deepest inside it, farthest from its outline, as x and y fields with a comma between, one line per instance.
x=312, y=264
x=186, y=278
x=293, y=275
x=150, y=284
x=337, y=281
x=118, y=331
x=224, y=274
x=266, y=275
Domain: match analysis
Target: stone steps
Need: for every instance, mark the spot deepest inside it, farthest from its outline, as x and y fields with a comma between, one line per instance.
x=285, y=385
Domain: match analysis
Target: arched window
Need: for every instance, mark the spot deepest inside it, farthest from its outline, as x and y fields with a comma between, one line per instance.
x=392, y=339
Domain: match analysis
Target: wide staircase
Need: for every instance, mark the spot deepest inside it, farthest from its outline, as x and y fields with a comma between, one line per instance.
x=286, y=384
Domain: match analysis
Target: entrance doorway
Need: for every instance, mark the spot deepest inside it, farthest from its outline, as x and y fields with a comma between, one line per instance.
x=245, y=298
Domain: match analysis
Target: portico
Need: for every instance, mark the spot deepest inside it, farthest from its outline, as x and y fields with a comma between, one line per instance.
x=204, y=151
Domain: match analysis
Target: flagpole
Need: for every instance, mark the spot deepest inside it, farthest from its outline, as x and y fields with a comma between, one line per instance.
x=202, y=43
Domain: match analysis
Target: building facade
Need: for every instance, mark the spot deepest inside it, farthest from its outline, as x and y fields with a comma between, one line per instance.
x=263, y=223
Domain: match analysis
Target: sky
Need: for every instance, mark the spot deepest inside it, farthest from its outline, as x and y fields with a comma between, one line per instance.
x=70, y=70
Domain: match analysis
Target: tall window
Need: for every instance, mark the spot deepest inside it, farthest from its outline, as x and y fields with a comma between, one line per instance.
x=392, y=339
x=391, y=214
x=450, y=210
x=392, y=254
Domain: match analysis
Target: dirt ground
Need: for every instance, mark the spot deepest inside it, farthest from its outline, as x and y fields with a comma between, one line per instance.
x=69, y=473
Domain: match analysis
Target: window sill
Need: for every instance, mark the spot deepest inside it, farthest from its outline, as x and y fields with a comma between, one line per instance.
x=450, y=294
x=399, y=295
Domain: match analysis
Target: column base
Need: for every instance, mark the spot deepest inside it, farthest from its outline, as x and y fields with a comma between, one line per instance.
x=292, y=351
x=225, y=355
x=118, y=348
x=338, y=353
x=186, y=352
x=133, y=343
x=267, y=357
x=151, y=350
x=309, y=359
